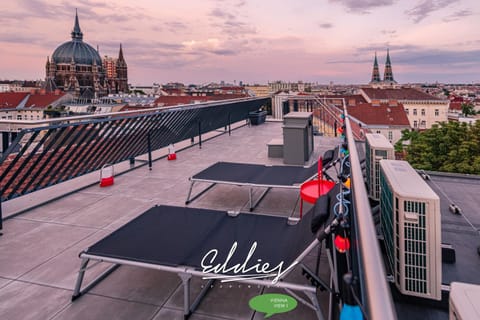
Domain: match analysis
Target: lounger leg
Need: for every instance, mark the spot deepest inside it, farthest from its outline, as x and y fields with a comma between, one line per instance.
x=260, y=198
x=301, y=208
x=189, y=193
x=250, y=198
x=189, y=200
x=186, y=294
x=81, y=273
x=201, y=295
x=78, y=291
x=314, y=299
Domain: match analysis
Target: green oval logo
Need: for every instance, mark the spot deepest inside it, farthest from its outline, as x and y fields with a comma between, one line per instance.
x=272, y=303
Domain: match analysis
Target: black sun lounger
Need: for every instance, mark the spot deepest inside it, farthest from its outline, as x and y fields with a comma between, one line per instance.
x=176, y=239
x=255, y=175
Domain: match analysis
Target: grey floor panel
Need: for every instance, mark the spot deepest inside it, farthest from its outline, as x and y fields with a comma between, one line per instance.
x=26, y=301
x=177, y=314
x=61, y=271
x=139, y=285
x=4, y=282
x=98, y=307
x=42, y=245
x=37, y=246
x=64, y=207
x=104, y=212
x=228, y=300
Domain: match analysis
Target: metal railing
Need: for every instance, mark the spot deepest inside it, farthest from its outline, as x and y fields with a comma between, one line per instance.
x=367, y=259
x=57, y=150
x=374, y=289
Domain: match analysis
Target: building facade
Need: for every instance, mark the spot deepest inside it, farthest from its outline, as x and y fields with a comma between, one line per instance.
x=423, y=110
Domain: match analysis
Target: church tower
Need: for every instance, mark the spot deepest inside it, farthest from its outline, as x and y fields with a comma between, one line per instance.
x=75, y=66
x=375, y=72
x=122, y=74
x=388, y=75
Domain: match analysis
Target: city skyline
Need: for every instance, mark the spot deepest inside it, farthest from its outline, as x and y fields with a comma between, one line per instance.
x=239, y=40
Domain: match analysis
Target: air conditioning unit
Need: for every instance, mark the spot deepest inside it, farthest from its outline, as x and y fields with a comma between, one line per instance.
x=411, y=225
x=464, y=301
x=377, y=147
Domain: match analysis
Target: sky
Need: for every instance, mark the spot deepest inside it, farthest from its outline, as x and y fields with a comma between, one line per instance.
x=192, y=41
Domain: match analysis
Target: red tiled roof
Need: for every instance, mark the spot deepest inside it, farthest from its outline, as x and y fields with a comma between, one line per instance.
x=455, y=106
x=397, y=94
x=232, y=88
x=173, y=91
x=352, y=99
x=217, y=97
x=456, y=98
x=10, y=100
x=176, y=100
x=136, y=108
x=379, y=115
x=42, y=100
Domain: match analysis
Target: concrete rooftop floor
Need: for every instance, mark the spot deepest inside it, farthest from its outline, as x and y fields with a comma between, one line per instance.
x=39, y=248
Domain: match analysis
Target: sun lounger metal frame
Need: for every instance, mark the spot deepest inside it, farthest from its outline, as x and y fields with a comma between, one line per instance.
x=186, y=272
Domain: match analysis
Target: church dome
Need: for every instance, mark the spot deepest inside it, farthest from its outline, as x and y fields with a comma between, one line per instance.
x=81, y=52
x=76, y=49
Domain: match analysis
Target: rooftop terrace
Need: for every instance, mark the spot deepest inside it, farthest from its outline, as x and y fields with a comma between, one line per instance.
x=41, y=242
x=39, y=260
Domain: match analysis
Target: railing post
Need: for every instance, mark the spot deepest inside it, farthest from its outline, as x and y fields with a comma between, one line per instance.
x=1, y=215
x=4, y=141
x=149, y=149
x=200, y=134
x=229, y=125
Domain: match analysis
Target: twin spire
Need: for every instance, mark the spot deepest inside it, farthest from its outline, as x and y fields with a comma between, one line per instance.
x=388, y=74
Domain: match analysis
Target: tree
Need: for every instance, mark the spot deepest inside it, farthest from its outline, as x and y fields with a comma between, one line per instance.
x=468, y=109
x=450, y=147
x=407, y=135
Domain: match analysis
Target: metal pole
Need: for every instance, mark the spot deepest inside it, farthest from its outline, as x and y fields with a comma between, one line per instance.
x=1, y=216
x=149, y=148
x=200, y=134
x=229, y=125
x=4, y=141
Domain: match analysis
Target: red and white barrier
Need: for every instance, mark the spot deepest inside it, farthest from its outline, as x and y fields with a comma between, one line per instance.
x=171, y=153
x=106, y=175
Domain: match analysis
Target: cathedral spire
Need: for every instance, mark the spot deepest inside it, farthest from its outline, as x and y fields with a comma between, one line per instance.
x=375, y=71
x=388, y=75
x=120, y=53
x=77, y=33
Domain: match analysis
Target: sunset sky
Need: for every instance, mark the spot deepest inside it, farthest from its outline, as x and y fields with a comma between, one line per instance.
x=252, y=41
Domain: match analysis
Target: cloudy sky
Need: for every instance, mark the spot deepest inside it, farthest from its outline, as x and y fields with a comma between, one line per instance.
x=195, y=41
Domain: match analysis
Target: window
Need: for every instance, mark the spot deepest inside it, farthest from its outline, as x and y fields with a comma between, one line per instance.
x=406, y=111
x=423, y=124
x=415, y=124
x=390, y=135
x=414, y=112
x=19, y=117
x=378, y=131
x=423, y=112
x=437, y=112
